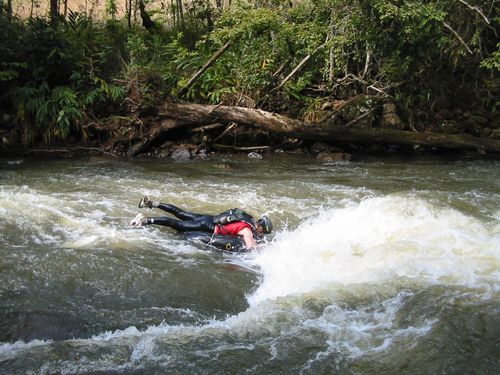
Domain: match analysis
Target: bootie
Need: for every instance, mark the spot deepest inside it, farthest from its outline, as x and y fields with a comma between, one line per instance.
x=139, y=220
x=145, y=202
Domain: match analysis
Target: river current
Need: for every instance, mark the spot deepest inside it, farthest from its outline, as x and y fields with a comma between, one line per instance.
x=382, y=266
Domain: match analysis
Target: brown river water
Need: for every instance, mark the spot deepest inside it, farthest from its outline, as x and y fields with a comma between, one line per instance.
x=378, y=266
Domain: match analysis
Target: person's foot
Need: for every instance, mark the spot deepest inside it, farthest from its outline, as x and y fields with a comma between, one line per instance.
x=145, y=202
x=138, y=221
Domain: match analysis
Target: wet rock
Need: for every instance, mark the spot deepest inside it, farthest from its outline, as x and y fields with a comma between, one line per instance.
x=181, y=154
x=254, y=155
x=202, y=153
x=162, y=154
x=333, y=156
x=319, y=147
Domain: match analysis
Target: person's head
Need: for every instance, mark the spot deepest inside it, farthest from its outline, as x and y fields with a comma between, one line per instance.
x=264, y=225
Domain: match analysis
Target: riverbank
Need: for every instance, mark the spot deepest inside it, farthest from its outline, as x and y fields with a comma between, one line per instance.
x=252, y=78
x=185, y=131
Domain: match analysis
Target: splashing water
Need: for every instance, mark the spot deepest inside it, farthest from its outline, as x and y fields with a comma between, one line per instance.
x=380, y=240
x=374, y=268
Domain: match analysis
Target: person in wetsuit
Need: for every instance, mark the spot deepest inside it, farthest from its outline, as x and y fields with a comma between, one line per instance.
x=246, y=227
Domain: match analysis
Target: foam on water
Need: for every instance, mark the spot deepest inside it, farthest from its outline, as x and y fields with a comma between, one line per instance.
x=380, y=239
x=343, y=274
x=73, y=221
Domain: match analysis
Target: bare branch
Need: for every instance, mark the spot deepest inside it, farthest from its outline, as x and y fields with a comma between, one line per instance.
x=367, y=61
x=304, y=60
x=237, y=148
x=457, y=36
x=360, y=117
x=207, y=65
x=476, y=9
x=230, y=127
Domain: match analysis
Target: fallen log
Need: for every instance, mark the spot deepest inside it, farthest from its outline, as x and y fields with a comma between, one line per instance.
x=193, y=115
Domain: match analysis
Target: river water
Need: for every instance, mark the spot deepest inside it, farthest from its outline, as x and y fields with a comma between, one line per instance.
x=378, y=266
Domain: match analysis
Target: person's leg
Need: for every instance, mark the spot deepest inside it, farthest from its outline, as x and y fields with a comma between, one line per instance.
x=180, y=213
x=203, y=224
x=171, y=209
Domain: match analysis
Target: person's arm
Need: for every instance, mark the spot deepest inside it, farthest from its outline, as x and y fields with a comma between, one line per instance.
x=247, y=235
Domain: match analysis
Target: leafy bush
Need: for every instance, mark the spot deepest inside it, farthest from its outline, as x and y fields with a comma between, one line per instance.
x=53, y=79
x=50, y=114
x=283, y=56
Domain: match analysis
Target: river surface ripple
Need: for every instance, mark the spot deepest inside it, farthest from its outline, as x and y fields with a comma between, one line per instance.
x=381, y=266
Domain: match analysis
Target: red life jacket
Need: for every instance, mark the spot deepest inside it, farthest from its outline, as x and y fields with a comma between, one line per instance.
x=231, y=229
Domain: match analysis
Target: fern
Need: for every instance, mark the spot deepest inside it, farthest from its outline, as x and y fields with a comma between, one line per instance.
x=49, y=114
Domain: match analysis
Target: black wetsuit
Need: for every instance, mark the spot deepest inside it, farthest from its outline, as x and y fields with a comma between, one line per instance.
x=189, y=221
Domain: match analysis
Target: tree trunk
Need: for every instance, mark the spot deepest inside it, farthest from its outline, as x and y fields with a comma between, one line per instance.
x=6, y=7
x=147, y=22
x=180, y=12
x=174, y=116
x=174, y=12
x=54, y=12
x=128, y=7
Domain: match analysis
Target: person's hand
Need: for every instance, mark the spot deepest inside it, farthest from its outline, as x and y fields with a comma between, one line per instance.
x=138, y=220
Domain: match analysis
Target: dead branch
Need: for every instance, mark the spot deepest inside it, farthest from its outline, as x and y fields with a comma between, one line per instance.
x=64, y=150
x=304, y=60
x=295, y=70
x=238, y=148
x=352, y=122
x=279, y=70
x=476, y=9
x=207, y=65
x=339, y=108
x=233, y=125
x=206, y=127
x=457, y=36
x=191, y=115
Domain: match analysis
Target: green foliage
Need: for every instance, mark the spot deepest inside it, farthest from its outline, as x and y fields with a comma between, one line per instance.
x=493, y=61
x=385, y=42
x=263, y=39
x=49, y=114
x=153, y=65
x=111, y=8
x=57, y=78
x=54, y=79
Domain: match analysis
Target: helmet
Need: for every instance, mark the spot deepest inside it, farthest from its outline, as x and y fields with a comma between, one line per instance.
x=266, y=224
